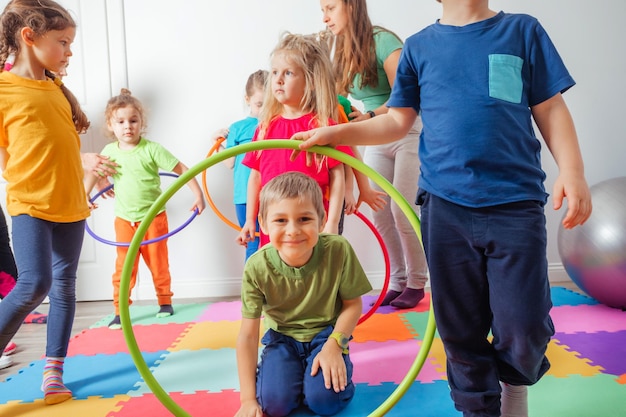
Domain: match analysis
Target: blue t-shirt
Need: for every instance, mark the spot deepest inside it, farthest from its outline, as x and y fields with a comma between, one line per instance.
x=474, y=86
x=239, y=133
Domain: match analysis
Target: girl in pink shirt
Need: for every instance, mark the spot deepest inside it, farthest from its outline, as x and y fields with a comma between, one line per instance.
x=300, y=95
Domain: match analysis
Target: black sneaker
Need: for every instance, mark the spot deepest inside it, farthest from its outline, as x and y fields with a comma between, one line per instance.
x=115, y=324
x=166, y=310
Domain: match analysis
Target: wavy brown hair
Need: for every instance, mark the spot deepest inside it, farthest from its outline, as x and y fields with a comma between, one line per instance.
x=355, y=49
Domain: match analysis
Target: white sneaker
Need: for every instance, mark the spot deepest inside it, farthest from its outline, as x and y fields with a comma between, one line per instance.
x=5, y=361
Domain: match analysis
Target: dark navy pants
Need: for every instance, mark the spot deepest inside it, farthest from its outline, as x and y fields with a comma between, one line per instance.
x=284, y=380
x=489, y=273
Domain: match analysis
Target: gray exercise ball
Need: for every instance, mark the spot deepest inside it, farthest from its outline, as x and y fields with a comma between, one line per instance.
x=594, y=254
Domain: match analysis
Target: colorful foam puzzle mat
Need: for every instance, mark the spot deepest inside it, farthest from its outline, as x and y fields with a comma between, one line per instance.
x=192, y=355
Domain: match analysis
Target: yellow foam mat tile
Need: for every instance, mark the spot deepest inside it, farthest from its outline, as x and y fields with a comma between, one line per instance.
x=565, y=362
x=92, y=407
x=209, y=335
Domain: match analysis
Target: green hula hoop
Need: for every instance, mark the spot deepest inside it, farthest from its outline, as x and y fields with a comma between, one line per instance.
x=135, y=243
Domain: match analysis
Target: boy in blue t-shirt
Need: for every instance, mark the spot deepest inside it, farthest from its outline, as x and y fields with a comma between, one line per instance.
x=478, y=78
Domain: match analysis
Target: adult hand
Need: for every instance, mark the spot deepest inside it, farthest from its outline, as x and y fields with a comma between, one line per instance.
x=357, y=116
x=377, y=200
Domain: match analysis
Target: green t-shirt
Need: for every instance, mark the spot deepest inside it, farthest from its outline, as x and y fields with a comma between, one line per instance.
x=137, y=182
x=374, y=97
x=301, y=302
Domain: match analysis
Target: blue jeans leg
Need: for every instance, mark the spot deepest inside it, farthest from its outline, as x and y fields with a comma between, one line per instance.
x=317, y=397
x=284, y=382
x=279, y=377
x=488, y=274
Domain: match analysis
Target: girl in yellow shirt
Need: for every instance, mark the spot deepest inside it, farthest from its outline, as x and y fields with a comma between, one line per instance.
x=40, y=159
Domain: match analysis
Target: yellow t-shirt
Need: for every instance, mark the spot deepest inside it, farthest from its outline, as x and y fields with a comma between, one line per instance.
x=43, y=171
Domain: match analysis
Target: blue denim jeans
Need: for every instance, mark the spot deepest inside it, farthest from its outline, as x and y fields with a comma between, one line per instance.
x=489, y=273
x=47, y=256
x=284, y=380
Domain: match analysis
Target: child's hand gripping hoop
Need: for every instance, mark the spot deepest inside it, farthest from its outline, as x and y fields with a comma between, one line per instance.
x=145, y=242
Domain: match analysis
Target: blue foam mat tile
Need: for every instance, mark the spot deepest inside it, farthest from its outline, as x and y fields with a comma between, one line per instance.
x=424, y=400
x=187, y=371
x=87, y=376
x=564, y=297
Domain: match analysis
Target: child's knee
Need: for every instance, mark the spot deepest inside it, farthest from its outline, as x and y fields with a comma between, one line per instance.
x=276, y=399
x=327, y=402
x=277, y=405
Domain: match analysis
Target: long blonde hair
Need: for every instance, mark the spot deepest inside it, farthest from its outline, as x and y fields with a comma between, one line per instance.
x=320, y=97
x=41, y=16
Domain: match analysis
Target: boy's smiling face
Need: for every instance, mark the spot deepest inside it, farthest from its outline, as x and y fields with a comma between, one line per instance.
x=293, y=227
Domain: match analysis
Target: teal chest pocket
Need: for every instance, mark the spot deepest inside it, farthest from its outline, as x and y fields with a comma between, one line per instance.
x=505, y=77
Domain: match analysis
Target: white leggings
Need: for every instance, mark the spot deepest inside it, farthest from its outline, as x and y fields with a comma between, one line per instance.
x=398, y=162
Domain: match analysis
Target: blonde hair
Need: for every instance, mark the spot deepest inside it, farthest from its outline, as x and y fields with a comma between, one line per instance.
x=41, y=16
x=320, y=98
x=123, y=100
x=256, y=82
x=290, y=185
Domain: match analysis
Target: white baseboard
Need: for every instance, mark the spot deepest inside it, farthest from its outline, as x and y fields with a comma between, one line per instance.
x=231, y=286
x=205, y=288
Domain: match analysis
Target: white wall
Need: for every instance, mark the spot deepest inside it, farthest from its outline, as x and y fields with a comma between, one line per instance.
x=189, y=60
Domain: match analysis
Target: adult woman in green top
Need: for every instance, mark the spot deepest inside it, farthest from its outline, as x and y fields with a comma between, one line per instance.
x=365, y=60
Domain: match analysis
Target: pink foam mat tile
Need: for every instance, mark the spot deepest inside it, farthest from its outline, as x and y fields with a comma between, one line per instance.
x=201, y=403
x=102, y=340
x=221, y=311
x=589, y=319
x=379, y=362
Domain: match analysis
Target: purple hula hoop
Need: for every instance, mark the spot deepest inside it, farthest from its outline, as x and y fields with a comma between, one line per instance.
x=145, y=242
